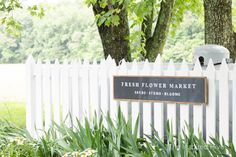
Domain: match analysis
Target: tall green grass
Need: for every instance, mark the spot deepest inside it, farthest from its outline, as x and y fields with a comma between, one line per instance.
x=115, y=139
x=13, y=112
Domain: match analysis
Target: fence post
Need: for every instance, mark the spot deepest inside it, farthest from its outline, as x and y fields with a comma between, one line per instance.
x=30, y=96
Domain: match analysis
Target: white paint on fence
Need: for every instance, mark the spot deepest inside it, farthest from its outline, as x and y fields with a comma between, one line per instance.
x=171, y=107
x=80, y=89
x=135, y=106
x=104, y=87
x=38, y=95
x=234, y=104
x=124, y=105
x=76, y=99
x=211, y=107
x=158, y=107
x=55, y=76
x=30, y=98
x=224, y=101
x=197, y=109
x=146, y=106
x=65, y=93
x=47, y=94
x=184, y=108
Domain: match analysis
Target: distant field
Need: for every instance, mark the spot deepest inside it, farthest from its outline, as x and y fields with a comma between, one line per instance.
x=13, y=112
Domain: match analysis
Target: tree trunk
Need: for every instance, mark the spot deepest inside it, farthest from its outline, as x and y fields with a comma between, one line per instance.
x=146, y=27
x=218, y=24
x=156, y=43
x=115, y=38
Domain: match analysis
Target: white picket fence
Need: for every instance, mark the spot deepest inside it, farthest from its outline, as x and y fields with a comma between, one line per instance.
x=81, y=89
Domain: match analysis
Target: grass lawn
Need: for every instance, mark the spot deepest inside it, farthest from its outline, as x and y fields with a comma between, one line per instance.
x=13, y=112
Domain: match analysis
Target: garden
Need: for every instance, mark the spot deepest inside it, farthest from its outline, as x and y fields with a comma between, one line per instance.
x=115, y=139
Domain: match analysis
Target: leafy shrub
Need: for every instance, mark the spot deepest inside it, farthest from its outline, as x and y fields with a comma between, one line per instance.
x=115, y=139
x=18, y=147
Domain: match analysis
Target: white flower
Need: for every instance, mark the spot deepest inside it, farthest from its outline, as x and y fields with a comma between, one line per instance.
x=18, y=140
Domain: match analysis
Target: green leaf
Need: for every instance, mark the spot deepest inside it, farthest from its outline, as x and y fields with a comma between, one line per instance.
x=115, y=20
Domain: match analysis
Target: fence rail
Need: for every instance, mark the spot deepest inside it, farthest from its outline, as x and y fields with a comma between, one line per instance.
x=81, y=89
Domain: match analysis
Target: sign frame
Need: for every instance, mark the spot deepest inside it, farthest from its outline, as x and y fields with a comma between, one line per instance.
x=160, y=101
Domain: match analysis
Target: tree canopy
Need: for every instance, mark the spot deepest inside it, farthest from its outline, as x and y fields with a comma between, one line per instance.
x=68, y=30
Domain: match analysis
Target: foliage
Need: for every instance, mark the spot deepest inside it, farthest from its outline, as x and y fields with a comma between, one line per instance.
x=143, y=14
x=191, y=32
x=19, y=147
x=7, y=18
x=70, y=35
x=116, y=138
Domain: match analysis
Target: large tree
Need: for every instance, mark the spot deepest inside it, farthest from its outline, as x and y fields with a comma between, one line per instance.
x=218, y=24
x=117, y=18
x=126, y=27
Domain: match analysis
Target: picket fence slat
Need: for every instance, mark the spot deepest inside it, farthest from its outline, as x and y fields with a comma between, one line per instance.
x=197, y=109
x=224, y=101
x=171, y=107
x=234, y=104
x=30, y=98
x=57, y=91
x=147, y=108
x=158, y=107
x=76, y=113
x=211, y=106
x=184, y=108
x=113, y=103
x=65, y=93
x=104, y=88
x=47, y=95
x=85, y=90
x=135, y=105
x=124, y=105
x=39, y=105
x=94, y=89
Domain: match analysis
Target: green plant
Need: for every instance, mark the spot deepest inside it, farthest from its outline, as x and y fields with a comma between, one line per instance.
x=18, y=147
x=105, y=137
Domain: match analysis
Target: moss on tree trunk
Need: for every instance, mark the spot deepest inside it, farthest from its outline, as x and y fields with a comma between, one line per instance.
x=115, y=40
x=218, y=24
x=156, y=43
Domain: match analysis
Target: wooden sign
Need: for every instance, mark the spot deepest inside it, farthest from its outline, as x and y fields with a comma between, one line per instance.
x=184, y=90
